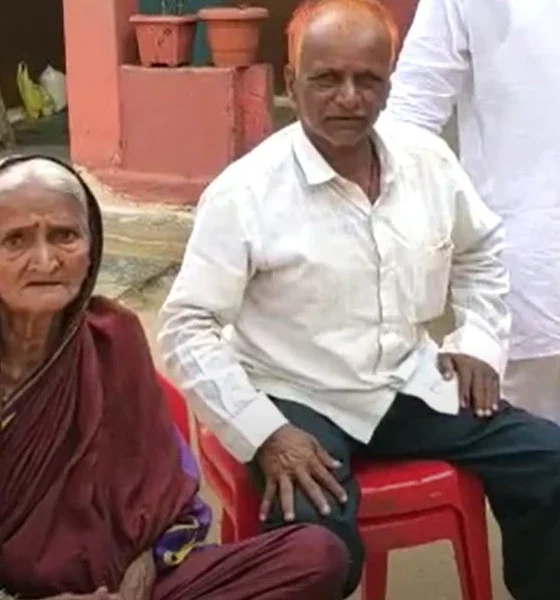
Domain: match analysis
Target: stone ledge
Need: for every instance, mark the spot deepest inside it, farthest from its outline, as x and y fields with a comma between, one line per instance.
x=154, y=231
x=123, y=278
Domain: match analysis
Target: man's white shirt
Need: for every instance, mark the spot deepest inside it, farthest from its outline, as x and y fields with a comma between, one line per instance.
x=324, y=295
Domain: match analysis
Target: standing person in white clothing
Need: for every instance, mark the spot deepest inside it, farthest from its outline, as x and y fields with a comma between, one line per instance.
x=497, y=62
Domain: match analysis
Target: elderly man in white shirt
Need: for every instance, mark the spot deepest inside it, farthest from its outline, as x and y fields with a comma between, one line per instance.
x=325, y=251
x=498, y=62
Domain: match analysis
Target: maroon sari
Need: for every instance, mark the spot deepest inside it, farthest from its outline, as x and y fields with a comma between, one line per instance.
x=90, y=472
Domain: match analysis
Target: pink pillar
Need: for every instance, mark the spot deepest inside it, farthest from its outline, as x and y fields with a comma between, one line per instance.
x=98, y=40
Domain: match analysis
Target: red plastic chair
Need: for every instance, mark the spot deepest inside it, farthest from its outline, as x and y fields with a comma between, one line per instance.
x=176, y=404
x=413, y=503
x=403, y=504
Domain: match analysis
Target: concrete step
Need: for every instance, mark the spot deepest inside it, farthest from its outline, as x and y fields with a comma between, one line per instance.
x=155, y=232
x=131, y=278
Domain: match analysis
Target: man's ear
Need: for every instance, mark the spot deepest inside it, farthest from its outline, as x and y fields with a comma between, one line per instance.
x=290, y=79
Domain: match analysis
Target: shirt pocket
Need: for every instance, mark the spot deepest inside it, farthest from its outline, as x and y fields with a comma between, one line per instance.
x=431, y=275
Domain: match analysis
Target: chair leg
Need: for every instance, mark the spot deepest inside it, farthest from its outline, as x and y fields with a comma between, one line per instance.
x=374, y=579
x=473, y=560
x=227, y=529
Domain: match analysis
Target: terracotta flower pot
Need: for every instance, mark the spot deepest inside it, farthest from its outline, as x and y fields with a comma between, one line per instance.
x=233, y=34
x=164, y=39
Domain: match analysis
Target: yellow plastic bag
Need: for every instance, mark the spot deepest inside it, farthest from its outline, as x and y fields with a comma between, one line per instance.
x=36, y=100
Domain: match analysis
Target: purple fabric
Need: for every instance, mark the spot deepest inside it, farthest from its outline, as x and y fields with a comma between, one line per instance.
x=198, y=515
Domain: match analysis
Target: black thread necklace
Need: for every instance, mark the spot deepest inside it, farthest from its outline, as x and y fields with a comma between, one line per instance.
x=373, y=172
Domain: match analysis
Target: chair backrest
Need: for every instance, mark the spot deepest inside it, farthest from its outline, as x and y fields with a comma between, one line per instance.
x=176, y=404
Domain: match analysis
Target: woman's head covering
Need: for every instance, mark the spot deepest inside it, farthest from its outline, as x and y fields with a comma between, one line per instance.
x=308, y=10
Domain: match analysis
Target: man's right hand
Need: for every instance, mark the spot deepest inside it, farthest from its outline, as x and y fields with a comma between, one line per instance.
x=290, y=458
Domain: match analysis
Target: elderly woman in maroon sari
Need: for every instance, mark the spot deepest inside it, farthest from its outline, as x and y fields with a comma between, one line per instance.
x=98, y=494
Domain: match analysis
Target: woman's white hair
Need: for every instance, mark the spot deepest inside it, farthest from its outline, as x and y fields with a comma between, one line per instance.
x=43, y=172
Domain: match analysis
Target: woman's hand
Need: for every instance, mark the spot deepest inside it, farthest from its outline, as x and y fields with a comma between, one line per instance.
x=137, y=584
x=101, y=594
x=139, y=579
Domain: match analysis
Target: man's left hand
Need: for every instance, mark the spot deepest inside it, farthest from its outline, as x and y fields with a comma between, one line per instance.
x=479, y=384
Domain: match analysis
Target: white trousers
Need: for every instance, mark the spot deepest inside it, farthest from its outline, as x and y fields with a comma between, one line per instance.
x=534, y=384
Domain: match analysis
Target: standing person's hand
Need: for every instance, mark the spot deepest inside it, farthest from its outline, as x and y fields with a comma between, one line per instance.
x=291, y=458
x=479, y=384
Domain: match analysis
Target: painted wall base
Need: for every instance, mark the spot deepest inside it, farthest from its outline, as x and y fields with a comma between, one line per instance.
x=186, y=125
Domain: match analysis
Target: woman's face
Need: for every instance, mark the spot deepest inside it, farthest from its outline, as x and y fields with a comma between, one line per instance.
x=44, y=249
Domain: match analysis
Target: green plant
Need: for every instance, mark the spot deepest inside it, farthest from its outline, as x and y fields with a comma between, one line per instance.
x=172, y=7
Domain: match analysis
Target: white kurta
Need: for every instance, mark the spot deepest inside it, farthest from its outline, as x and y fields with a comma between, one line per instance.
x=499, y=62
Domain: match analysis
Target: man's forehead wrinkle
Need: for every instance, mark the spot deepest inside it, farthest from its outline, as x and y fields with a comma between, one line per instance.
x=335, y=26
x=353, y=14
x=335, y=23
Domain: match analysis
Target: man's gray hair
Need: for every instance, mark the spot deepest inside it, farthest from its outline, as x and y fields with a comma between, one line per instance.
x=46, y=173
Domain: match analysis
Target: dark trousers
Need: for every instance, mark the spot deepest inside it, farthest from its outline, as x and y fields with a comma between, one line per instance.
x=516, y=455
